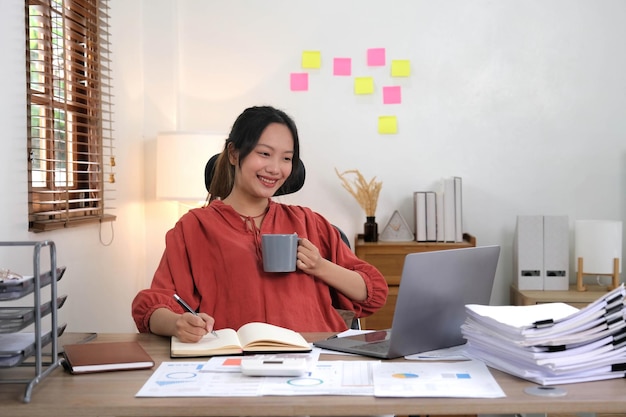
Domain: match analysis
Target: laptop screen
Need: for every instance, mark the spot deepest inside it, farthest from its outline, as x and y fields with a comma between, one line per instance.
x=434, y=289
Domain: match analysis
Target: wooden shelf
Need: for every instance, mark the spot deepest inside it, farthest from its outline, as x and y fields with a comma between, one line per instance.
x=578, y=299
x=388, y=257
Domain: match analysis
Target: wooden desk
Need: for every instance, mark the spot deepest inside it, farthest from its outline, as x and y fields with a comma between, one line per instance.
x=113, y=394
x=578, y=299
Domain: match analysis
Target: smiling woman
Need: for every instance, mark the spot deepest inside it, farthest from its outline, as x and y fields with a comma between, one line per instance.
x=214, y=256
x=245, y=137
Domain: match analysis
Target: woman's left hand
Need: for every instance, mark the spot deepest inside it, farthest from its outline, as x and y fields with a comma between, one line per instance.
x=349, y=282
x=308, y=257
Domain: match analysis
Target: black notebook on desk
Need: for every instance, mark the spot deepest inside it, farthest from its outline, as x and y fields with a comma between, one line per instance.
x=434, y=289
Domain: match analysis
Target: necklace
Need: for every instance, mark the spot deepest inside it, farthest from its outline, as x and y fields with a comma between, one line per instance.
x=252, y=222
x=252, y=217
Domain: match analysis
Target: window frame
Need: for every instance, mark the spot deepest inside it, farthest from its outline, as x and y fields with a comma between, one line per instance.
x=69, y=112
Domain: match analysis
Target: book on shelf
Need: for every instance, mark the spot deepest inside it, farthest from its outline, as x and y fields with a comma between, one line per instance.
x=420, y=215
x=83, y=358
x=252, y=337
x=431, y=216
x=458, y=209
x=439, y=217
x=439, y=214
x=449, y=207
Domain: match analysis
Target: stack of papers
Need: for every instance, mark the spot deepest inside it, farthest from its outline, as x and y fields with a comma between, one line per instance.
x=551, y=343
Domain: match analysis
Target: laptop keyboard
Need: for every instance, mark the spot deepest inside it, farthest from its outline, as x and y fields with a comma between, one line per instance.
x=377, y=347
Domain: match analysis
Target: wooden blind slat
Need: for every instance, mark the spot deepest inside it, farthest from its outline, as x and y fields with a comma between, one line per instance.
x=70, y=138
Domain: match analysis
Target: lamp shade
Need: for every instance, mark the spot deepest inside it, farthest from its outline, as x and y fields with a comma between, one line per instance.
x=181, y=158
x=598, y=242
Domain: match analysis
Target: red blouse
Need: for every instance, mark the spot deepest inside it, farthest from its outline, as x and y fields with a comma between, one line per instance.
x=213, y=261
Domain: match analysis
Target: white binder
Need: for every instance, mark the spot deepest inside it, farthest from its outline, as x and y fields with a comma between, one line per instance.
x=556, y=252
x=528, y=253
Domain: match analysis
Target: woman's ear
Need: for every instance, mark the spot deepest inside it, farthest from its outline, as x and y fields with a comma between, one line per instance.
x=233, y=155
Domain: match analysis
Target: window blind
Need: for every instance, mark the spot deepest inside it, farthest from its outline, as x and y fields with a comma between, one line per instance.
x=71, y=162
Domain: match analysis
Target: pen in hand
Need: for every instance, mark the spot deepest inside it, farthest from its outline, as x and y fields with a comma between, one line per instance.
x=189, y=309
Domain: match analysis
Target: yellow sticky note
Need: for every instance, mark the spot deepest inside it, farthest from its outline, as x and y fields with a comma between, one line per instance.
x=387, y=124
x=363, y=85
x=400, y=68
x=311, y=59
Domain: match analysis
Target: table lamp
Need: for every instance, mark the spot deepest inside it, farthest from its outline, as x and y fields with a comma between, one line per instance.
x=181, y=158
x=598, y=250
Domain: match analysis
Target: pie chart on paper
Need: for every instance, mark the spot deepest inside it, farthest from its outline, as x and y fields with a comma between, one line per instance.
x=405, y=375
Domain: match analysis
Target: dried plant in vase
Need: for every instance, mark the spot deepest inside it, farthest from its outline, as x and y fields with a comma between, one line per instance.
x=366, y=194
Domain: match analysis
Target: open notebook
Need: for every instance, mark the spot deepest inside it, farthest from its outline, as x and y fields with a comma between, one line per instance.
x=433, y=292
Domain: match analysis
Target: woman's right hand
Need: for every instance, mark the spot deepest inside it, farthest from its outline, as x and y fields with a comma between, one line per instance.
x=191, y=328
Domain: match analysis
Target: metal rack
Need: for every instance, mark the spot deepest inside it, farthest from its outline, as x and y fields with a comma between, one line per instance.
x=32, y=355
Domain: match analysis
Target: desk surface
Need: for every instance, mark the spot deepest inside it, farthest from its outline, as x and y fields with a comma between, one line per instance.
x=113, y=394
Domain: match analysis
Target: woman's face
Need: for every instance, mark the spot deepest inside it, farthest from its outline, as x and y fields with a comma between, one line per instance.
x=266, y=168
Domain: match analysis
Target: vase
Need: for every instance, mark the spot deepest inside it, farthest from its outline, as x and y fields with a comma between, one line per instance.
x=370, y=229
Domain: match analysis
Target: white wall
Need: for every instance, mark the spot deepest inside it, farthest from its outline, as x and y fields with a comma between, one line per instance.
x=100, y=280
x=523, y=99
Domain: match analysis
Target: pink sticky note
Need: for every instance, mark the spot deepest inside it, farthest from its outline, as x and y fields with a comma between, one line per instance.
x=376, y=57
x=342, y=66
x=299, y=81
x=392, y=95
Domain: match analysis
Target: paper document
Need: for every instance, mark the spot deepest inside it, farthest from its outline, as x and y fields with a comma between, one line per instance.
x=541, y=322
x=544, y=377
x=454, y=353
x=551, y=343
x=466, y=379
x=187, y=379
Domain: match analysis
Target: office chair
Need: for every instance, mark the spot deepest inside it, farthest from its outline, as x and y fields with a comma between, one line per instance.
x=293, y=184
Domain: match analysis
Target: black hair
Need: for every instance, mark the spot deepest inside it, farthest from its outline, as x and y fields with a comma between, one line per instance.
x=243, y=138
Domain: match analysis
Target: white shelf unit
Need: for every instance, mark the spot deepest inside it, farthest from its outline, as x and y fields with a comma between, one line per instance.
x=14, y=319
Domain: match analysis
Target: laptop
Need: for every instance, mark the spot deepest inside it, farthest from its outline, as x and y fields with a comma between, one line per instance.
x=430, y=309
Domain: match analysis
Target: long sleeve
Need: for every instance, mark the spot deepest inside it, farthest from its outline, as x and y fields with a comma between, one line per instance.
x=375, y=282
x=213, y=260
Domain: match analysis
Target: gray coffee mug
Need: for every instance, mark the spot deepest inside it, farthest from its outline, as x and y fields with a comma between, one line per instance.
x=279, y=252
